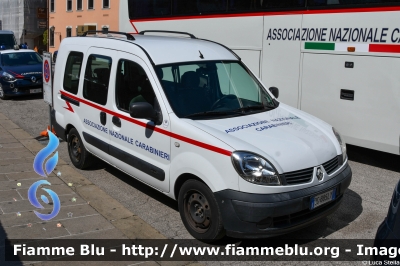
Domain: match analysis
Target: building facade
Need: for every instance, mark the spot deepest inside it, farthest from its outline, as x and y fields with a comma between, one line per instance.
x=69, y=18
x=27, y=19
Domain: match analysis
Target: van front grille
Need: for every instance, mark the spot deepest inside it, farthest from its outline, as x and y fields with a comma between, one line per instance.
x=331, y=165
x=299, y=177
x=305, y=175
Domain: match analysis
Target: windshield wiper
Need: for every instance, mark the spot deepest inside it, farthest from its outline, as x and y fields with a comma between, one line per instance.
x=212, y=113
x=253, y=107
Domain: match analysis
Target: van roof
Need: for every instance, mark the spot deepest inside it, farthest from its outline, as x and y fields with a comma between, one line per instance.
x=163, y=49
x=6, y=32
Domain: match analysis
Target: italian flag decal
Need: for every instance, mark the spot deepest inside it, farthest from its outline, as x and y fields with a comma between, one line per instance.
x=353, y=47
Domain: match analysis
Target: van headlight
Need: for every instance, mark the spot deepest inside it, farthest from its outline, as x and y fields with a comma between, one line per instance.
x=255, y=169
x=341, y=142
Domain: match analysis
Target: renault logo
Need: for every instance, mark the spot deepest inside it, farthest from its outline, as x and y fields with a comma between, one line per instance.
x=33, y=78
x=320, y=174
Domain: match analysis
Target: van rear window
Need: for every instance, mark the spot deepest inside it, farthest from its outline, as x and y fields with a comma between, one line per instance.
x=72, y=72
x=97, y=77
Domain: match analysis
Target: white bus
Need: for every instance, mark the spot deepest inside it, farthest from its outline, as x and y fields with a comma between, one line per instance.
x=336, y=59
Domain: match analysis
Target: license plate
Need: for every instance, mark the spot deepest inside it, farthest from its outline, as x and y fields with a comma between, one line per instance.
x=323, y=198
x=35, y=90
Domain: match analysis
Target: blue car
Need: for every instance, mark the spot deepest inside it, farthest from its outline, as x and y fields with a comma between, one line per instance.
x=20, y=73
x=388, y=234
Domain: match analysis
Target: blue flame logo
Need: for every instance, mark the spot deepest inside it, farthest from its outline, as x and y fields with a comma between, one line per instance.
x=45, y=171
x=32, y=198
x=43, y=154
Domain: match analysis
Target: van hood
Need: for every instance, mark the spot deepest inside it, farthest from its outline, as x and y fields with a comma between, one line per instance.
x=287, y=137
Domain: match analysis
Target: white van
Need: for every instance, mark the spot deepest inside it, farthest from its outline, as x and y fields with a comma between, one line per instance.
x=188, y=118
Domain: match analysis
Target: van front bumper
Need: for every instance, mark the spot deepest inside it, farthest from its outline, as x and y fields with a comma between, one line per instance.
x=247, y=215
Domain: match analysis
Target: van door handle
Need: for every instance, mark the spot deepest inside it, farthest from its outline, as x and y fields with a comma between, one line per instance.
x=103, y=118
x=347, y=95
x=116, y=121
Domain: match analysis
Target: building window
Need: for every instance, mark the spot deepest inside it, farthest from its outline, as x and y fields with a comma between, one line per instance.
x=69, y=5
x=52, y=37
x=90, y=4
x=78, y=4
x=69, y=32
x=106, y=3
x=52, y=5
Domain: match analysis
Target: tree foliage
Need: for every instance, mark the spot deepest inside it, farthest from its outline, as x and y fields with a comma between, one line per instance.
x=45, y=37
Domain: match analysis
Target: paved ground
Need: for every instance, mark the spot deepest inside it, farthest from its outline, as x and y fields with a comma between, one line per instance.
x=86, y=211
x=364, y=207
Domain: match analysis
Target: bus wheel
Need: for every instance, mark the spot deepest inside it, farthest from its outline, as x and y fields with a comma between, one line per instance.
x=199, y=211
x=78, y=154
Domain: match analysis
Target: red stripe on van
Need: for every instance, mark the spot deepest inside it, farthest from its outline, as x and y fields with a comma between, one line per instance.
x=157, y=129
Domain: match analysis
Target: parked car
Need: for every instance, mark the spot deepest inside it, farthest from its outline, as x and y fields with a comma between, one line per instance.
x=20, y=73
x=7, y=40
x=55, y=56
x=388, y=234
x=187, y=117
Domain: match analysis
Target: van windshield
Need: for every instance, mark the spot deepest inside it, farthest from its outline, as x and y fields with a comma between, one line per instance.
x=21, y=59
x=7, y=40
x=213, y=89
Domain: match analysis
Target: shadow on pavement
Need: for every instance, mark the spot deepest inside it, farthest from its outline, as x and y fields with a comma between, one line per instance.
x=4, y=242
x=26, y=97
x=375, y=158
x=131, y=181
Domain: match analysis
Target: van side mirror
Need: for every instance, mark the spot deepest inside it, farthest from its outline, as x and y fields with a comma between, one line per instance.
x=274, y=91
x=144, y=110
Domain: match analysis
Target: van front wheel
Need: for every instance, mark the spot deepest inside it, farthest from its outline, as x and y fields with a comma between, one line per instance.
x=199, y=211
x=78, y=154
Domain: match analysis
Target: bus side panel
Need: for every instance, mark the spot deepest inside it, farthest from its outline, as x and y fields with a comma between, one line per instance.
x=236, y=33
x=281, y=56
x=372, y=119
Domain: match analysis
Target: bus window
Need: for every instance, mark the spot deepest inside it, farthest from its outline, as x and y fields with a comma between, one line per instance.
x=243, y=5
x=144, y=9
x=254, y=5
x=212, y=6
x=349, y=2
x=187, y=7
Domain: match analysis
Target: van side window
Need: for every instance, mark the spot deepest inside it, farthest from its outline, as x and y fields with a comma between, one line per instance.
x=132, y=85
x=97, y=77
x=72, y=72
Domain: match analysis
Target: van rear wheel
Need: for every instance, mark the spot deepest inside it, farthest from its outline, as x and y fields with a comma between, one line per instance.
x=78, y=154
x=200, y=212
